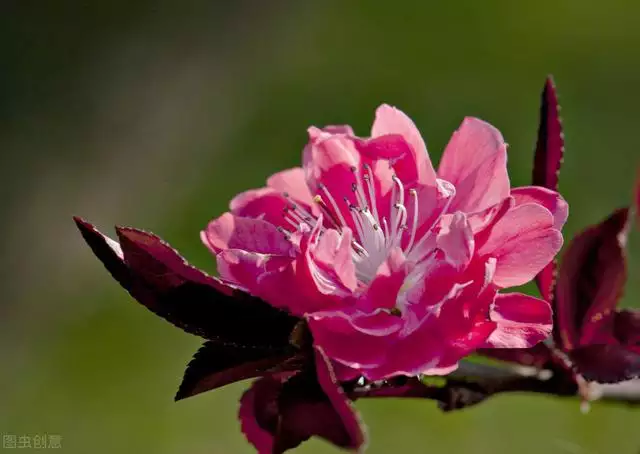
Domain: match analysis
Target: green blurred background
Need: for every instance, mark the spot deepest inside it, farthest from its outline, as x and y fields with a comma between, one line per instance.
x=154, y=114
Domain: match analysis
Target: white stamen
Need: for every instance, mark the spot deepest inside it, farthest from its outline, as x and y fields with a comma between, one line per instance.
x=373, y=237
x=333, y=204
x=414, y=224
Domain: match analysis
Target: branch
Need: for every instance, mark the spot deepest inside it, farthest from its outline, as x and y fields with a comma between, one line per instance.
x=472, y=383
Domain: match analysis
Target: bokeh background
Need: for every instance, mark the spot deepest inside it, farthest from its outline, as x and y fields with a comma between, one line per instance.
x=154, y=114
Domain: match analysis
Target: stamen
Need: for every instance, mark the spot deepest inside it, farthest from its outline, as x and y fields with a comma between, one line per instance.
x=368, y=178
x=286, y=233
x=326, y=211
x=414, y=224
x=334, y=205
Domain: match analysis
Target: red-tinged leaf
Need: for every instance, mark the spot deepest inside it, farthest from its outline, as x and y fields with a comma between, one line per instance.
x=537, y=356
x=159, y=278
x=216, y=365
x=546, y=166
x=161, y=266
x=606, y=363
x=550, y=145
x=281, y=411
x=349, y=433
x=259, y=413
x=626, y=328
x=590, y=283
x=108, y=251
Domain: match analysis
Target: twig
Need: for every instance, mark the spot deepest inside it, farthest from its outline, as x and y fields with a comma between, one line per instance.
x=472, y=383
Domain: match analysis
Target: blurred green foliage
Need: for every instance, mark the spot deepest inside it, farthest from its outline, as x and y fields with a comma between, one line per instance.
x=155, y=114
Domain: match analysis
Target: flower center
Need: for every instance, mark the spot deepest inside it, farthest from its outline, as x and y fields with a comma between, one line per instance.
x=375, y=235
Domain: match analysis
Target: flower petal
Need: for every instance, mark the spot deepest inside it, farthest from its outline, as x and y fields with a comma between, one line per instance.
x=455, y=239
x=523, y=242
x=522, y=321
x=549, y=199
x=559, y=208
x=293, y=183
x=390, y=147
x=330, y=162
x=475, y=161
x=414, y=166
x=383, y=291
x=266, y=204
x=282, y=281
x=355, y=339
x=331, y=262
x=253, y=235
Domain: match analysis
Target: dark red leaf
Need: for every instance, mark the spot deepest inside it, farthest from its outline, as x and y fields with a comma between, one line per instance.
x=546, y=166
x=281, y=411
x=626, y=327
x=159, y=278
x=590, y=283
x=216, y=365
x=607, y=363
x=259, y=413
x=108, y=251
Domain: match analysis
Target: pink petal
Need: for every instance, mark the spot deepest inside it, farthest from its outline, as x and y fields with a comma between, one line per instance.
x=383, y=290
x=455, y=239
x=461, y=347
x=330, y=162
x=549, y=199
x=279, y=280
x=523, y=242
x=475, y=161
x=390, y=147
x=265, y=204
x=293, y=183
x=359, y=341
x=331, y=262
x=432, y=203
x=416, y=165
x=522, y=321
x=254, y=235
x=481, y=221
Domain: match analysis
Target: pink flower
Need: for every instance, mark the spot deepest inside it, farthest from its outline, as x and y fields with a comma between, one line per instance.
x=396, y=268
